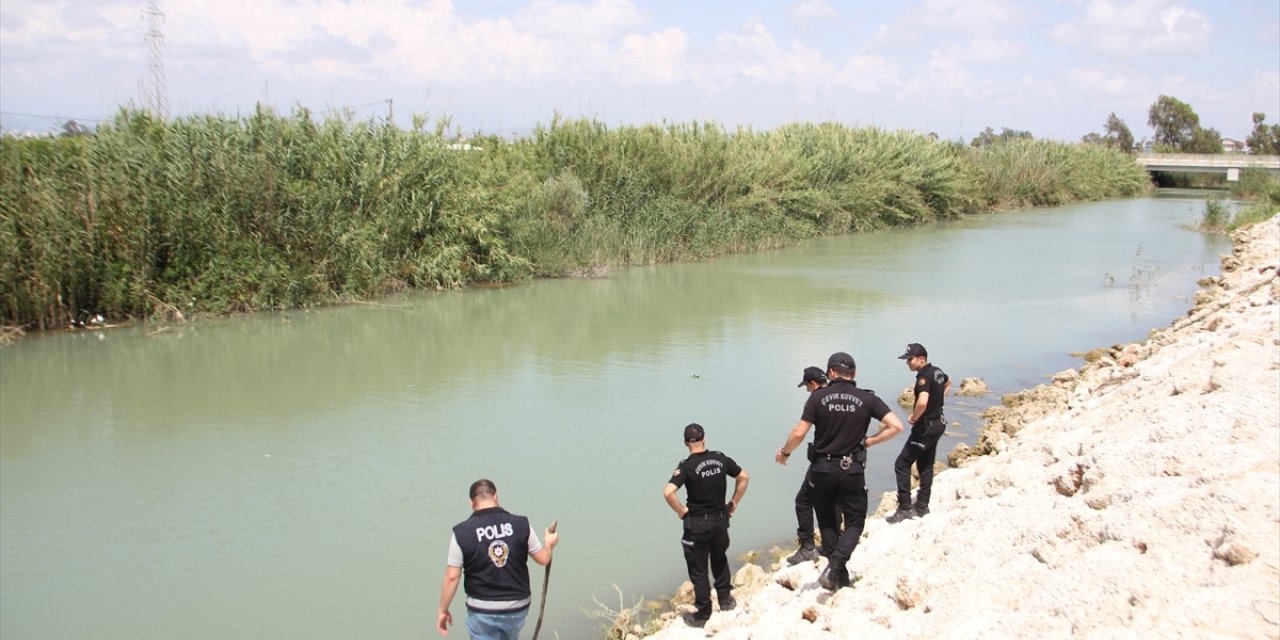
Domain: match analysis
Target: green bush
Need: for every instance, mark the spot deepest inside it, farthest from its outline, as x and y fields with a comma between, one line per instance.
x=217, y=214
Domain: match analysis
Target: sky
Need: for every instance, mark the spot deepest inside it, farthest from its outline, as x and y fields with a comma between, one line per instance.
x=1056, y=68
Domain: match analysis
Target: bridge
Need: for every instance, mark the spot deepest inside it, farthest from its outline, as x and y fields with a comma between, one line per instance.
x=1228, y=163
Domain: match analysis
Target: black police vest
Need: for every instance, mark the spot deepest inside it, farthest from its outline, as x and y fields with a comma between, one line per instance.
x=495, y=554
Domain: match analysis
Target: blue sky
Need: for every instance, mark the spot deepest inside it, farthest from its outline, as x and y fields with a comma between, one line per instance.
x=953, y=67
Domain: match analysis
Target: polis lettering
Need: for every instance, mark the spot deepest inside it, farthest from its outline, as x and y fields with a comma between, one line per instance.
x=494, y=531
x=842, y=402
x=708, y=468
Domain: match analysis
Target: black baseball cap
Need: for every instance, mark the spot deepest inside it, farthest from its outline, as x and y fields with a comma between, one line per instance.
x=841, y=361
x=812, y=374
x=694, y=433
x=914, y=349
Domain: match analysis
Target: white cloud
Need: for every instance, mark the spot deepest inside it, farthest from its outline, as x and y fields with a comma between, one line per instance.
x=757, y=56
x=1100, y=82
x=1137, y=29
x=972, y=60
x=946, y=72
x=28, y=24
x=599, y=20
x=428, y=42
x=658, y=57
x=806, y=11
x=964, y=19
x=973, y=17
x=63, y=30
x=991, y=49
x=868, y=74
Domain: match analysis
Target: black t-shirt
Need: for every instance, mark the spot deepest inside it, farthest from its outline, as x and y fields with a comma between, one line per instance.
x=840, y=414
x=703, y=476
x=933, y=380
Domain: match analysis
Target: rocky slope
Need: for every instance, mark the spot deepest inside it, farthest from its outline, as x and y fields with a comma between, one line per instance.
x=1136, y=497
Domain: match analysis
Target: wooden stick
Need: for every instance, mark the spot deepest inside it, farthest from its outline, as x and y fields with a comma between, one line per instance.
x=546, y=578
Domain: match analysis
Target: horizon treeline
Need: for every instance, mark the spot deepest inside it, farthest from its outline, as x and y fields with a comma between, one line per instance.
x=216, y=214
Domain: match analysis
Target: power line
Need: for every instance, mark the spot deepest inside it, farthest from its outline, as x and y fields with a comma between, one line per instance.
x=49, y=117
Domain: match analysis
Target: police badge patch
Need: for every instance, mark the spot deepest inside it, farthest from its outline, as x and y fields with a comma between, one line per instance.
x=498, y=553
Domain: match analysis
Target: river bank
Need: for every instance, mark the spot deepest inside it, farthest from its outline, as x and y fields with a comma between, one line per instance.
x=1138, y=495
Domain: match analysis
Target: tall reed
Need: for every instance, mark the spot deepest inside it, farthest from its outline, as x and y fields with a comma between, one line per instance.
x=214, y=213
x=219, y=214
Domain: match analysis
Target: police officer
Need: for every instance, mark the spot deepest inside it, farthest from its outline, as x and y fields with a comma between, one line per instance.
x=840, y=414
x=927, y=427
x=811, y=380
x=706, y=519
x=491, y=549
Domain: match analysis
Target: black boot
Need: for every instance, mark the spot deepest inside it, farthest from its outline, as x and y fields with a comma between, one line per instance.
x=835, y=576
x=900, y=515
x=806, y=553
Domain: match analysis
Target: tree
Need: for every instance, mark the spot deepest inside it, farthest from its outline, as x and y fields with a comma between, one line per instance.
x=1092, y=138
x=1118, y=134
x=73, y=128
x=1204, y=141
x=1174, y=121
x=988, y=137
x=984, y=139
x=1265, y=140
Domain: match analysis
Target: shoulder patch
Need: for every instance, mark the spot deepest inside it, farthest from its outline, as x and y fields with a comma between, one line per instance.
x=676, y=472
x=921, y=382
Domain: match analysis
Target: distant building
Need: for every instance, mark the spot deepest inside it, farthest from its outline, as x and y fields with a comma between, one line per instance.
x=1231, y=145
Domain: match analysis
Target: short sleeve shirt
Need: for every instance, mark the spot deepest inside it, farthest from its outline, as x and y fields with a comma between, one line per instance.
x=840, y=413
x=704, y=477
x=933, y=380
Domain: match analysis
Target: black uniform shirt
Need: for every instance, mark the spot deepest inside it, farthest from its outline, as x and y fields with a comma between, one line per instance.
x=840, y=413
x=934, y=380
x=703, y=476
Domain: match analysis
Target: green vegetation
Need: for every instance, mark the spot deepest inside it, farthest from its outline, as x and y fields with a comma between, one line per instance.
x=213, y=214
x=1258, y=187
x=1177, y=128
x=1117, y=134
x=1216, y=215
x=1264, y=139
x=1266, y=202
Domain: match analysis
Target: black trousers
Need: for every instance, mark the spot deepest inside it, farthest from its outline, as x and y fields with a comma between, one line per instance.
x=706, y=541
x=920, y=450
x=804, y=510
x=839, y=493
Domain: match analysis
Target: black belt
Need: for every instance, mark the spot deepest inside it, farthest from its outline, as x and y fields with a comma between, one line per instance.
x=828, y=456
x=716, y=515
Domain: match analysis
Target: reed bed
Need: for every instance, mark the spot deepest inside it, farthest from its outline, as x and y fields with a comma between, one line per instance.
x=217, y=214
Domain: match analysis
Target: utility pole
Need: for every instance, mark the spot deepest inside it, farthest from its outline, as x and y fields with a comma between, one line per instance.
x=157, y=95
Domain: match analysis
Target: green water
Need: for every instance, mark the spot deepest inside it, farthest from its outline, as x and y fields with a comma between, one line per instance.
x=295, y=475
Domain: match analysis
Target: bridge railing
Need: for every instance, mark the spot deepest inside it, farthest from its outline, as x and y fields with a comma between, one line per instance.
x=1209, y=160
